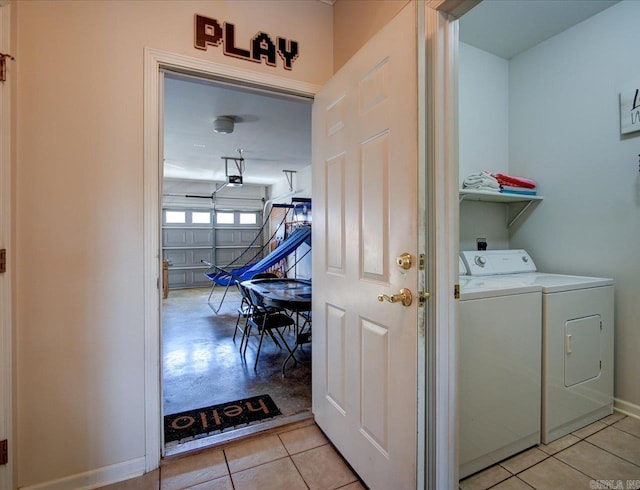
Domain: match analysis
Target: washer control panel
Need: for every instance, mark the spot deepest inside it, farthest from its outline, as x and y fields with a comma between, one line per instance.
x=493, y=262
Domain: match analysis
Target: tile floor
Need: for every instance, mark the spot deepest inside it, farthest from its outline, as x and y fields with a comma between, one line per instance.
x=605, y=454
x=288, y=459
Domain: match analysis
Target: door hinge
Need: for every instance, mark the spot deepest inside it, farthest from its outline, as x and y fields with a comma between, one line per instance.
x=4, y=452
x=456, y=291
x=3, y=66
x=3, y=260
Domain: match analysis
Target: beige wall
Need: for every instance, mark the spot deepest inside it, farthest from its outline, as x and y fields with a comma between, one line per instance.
x=356, y=21
x=79, y=211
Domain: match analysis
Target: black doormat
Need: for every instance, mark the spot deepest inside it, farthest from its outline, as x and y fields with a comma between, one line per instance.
x=217, y=418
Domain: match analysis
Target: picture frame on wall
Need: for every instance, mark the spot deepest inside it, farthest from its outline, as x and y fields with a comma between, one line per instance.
x=630, y=109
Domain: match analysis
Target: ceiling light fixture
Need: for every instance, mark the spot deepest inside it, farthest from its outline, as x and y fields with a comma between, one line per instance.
x=223, y=125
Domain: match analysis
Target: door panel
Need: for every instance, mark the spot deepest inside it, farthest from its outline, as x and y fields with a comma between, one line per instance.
x=374, y=220
x=365, y=215
x=375, y=380
x=374, y=87
x=335, y=357
x=334, y=189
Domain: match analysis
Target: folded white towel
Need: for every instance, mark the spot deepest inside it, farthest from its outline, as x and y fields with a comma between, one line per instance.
x=479, y=175
x=481, y=179
x=491, y=182
x=482, y=186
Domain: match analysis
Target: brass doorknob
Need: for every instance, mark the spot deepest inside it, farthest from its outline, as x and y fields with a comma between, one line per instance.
x=405, y=297
x=404, y=261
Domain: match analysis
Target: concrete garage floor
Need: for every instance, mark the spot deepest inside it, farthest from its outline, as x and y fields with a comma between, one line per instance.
x=202, y=365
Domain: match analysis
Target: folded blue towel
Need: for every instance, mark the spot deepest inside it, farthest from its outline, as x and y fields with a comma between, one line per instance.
x=524, y=192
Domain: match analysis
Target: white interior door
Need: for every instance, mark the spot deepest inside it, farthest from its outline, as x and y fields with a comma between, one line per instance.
x=365, y=204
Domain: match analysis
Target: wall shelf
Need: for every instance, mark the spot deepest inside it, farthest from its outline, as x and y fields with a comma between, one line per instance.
x=522, y=202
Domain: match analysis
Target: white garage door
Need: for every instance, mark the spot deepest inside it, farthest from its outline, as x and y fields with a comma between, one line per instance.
x=191, y=236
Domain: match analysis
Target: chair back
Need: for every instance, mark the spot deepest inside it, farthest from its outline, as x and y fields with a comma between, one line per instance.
x=256, y=300
x=243, y=291
x=265, y=275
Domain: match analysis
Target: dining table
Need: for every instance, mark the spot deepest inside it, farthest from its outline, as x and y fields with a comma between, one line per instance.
x=291, y=294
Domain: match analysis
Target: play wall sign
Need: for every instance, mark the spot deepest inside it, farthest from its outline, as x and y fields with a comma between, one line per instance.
x=260, y=48
x=630, y=110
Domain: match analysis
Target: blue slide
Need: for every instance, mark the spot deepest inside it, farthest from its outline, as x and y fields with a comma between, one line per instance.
x=286, y=248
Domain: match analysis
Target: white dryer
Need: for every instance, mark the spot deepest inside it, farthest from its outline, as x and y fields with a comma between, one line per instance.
x=499, y=371
x=577, y=333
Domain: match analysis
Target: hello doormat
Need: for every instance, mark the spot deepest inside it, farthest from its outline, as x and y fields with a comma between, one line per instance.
x=217, y=418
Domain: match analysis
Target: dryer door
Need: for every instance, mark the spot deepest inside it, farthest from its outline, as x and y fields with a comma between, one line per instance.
x=582, y=349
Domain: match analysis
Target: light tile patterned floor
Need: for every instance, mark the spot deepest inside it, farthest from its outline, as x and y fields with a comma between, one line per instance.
x=299, y=458
x=605, y=454
x=607, y=451
x=290, y=459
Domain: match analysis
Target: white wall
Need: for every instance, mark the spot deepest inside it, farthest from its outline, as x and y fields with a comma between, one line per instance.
x=280, y=191
x=484, y=144
x=565, y=133
x=79, y=213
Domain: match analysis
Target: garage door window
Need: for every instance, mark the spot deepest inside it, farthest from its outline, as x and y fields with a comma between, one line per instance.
x=248, y=218
x=201, y=217
x=225, y=218
x=175, y=217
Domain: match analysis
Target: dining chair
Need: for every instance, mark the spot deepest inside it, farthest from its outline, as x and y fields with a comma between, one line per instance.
x=244, y=312
x=266, y=321
x=271, y=275
x=251, y=310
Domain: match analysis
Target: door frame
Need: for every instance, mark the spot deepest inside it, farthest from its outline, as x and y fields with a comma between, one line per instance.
x=438, y=84
x=438, y=179
x=6, y=241
x=154, y=62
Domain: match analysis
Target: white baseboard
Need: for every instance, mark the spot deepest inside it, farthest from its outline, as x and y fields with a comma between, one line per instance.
x=626, y=408
x=95, y=478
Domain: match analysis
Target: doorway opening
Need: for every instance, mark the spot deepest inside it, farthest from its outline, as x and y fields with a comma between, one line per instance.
x=236, y=186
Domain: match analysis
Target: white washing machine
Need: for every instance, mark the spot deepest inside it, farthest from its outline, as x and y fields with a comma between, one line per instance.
x=499, y=371
x=577, y=333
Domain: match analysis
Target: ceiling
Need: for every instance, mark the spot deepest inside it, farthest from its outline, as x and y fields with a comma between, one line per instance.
x=274, y=131
x=507, y=28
